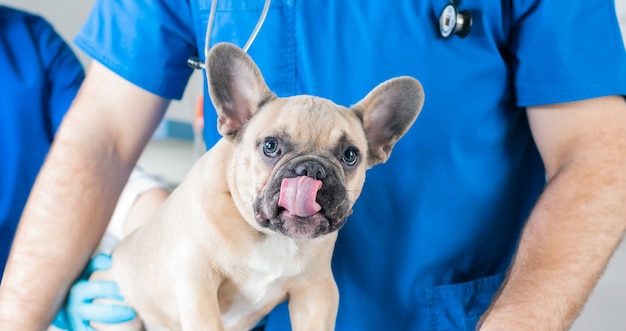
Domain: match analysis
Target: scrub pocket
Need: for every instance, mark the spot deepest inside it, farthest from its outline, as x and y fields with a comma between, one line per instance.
x=459, y=306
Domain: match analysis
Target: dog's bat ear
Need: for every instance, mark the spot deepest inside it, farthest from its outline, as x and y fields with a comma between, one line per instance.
x=236, y=87
x=388, y=112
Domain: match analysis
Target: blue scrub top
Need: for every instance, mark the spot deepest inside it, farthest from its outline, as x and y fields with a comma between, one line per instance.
x=436, y=226
x=39, y=77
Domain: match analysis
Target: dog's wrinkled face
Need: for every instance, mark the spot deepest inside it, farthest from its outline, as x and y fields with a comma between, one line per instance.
x=301, y=165
x=300, y=162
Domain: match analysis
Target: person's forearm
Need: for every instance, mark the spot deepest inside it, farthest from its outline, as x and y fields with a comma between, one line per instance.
x=63, y=221
x=570, y=236
x=98, y=143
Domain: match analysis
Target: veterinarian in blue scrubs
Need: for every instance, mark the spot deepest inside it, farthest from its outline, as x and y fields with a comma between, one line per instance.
x=39, y=77
x=533, y=91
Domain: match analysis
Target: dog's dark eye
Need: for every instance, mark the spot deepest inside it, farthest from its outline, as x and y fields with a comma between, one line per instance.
x=270, y=147
x=350, y=156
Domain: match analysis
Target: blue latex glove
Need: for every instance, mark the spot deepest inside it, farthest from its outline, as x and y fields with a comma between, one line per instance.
x=79, y=309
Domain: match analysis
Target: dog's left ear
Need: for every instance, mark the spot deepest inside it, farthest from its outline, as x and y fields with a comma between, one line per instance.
x=236, y=87
x=387, y=113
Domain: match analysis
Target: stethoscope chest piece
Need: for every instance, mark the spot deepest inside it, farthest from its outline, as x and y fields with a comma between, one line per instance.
x=452, y=21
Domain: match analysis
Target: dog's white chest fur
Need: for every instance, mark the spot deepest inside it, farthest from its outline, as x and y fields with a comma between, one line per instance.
x=277, y=259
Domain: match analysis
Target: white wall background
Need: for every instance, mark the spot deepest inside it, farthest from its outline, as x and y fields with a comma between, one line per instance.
x=620, y=7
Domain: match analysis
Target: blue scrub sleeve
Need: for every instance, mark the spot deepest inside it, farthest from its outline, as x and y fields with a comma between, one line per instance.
x=39, y=77
x=147, y=42
x=561, y=52
x=64, y=71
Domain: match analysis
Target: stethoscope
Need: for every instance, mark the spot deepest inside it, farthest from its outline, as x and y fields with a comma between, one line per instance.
x=196, y=63
x=451, y=21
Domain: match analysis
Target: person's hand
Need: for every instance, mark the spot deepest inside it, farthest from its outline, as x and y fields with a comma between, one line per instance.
x=80, y=309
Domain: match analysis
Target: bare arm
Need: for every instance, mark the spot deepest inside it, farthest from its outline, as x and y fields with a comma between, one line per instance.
x=98, y=143
x=578, y=221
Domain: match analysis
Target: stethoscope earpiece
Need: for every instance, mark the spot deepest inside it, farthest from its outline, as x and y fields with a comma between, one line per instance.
x=452, y=21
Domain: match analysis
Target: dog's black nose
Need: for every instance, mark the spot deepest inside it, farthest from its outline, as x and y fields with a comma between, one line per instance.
x=311, y=169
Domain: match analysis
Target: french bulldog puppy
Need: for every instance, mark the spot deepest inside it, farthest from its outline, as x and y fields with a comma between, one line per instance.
x=255, y=220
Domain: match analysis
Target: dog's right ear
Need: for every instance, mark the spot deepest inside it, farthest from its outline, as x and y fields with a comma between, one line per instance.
x=387, y=113
x=236, y=87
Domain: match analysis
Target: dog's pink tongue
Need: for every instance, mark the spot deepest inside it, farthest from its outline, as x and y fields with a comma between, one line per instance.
x=298, y=194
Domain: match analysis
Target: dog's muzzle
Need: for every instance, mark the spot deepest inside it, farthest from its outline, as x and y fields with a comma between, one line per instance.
x=305, y=198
